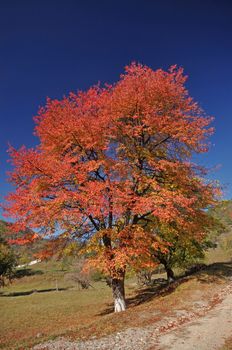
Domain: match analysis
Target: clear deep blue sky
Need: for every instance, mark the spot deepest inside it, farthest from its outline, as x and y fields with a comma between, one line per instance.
x=49, y=48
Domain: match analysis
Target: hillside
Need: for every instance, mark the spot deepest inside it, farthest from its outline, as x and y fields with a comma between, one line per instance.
x=223, y=212
x=223, y=251
x=25, y=253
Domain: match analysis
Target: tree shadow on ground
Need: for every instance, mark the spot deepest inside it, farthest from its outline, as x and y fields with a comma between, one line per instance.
x=27, y=272
x=160, y=288
x=203, y=273
x=220, y=270
x=29, y=292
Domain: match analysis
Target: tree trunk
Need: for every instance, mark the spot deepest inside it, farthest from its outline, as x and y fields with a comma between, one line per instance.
x=170, y=274
x=118, y=294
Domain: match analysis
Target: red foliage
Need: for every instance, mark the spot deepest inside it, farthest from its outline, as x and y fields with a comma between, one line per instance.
x=108, y=159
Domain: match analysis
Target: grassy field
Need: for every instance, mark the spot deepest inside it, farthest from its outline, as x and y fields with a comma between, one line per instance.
x=32, y=310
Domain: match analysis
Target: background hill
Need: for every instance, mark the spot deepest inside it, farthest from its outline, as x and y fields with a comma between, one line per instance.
x=223, y=251
x=25, y=253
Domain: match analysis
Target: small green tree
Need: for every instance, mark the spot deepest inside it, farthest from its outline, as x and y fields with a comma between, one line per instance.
x=187, y=248
x=182, y=253
x=182, y=245
x=8, y=262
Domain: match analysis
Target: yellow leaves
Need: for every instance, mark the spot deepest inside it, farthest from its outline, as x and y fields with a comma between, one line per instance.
x=70, y=249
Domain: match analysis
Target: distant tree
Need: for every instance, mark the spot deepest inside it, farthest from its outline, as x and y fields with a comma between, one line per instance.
x=144, y=277
x=8, y=262
x=107, y=159
x=78, y=275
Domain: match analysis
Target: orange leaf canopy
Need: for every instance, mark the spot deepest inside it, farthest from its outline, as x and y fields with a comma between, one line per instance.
x=111, y=158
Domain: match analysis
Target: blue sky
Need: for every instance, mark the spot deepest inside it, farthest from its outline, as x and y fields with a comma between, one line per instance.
x=49, y=48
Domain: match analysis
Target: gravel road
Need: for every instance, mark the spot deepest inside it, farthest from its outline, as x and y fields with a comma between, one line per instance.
x=204, y=329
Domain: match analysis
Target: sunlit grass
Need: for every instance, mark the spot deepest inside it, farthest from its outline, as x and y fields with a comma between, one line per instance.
x=33, y=311
x=43, y=313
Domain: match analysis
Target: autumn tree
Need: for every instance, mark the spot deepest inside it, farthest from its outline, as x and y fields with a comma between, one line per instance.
x=107, y=159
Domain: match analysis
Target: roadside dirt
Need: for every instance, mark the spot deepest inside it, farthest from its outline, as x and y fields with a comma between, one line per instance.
x=205, y=333
x=204, y=323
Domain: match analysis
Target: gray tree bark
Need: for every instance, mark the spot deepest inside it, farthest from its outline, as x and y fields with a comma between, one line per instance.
x=118, y=294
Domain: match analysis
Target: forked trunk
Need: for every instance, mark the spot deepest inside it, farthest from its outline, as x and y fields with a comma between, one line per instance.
x=119, y=294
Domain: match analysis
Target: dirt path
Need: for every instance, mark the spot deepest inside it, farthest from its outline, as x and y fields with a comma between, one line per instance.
x=206, y=327
x=206, y=333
